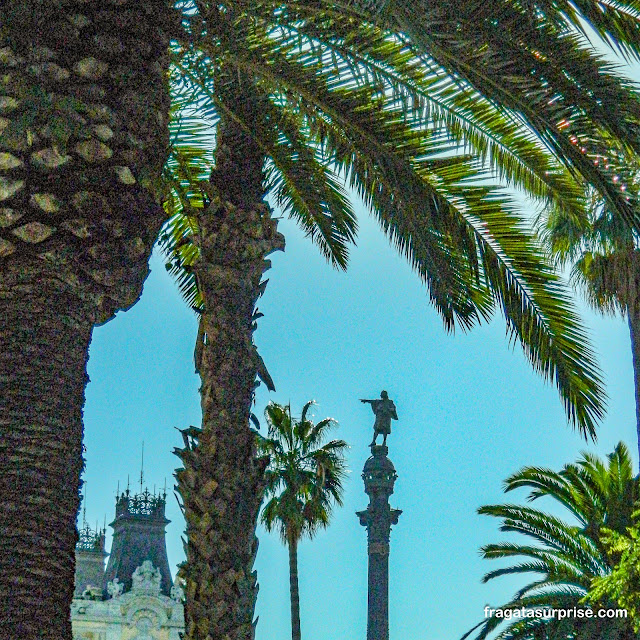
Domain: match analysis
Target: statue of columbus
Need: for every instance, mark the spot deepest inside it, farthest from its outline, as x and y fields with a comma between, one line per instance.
x=385, y=411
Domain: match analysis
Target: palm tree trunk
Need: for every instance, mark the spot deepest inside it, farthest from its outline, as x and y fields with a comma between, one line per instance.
x=633, y=312
x=222, y=482
x=45, y=333
x=294, y=589
x=83, y=115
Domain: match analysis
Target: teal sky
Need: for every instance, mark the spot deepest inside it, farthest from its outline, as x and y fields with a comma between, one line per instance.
x=471, y=412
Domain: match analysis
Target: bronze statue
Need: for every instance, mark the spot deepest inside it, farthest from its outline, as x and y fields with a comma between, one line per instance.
x=385, y=411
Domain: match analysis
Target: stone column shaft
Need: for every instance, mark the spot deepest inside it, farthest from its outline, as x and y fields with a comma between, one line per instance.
x=379, y=478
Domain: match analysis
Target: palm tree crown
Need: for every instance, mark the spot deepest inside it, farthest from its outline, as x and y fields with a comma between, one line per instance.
x=415, y=116
x=304, y=480
x=564, y=557
x=604, y=257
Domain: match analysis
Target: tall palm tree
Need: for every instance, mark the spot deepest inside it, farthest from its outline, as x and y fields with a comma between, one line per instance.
x=605, y=262
x=426, y=109
x=84, y=118
x=564, y=556
x=304, y=481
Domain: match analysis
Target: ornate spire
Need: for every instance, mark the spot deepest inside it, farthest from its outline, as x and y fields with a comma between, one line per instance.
x=138, y=536
x=90, y=555
x=90, y=539
x=142, y=468
x=144, y=503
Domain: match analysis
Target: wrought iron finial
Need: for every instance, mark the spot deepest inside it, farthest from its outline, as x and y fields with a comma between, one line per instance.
x=90, y=539
x=84, y=503
x=141, y=504
x=142, y=468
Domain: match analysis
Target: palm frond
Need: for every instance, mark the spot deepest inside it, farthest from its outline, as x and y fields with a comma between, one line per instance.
x=564, y=560
x=428, y=124
x=304, y=479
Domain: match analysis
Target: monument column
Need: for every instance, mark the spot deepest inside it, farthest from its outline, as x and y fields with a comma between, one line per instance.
x=379, y=477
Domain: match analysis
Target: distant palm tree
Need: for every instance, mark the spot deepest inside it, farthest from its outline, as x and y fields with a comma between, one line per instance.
x=605, y=261
x=565, y=557
x=304, y=481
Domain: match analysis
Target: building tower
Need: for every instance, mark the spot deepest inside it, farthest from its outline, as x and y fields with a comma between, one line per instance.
x=379, y=477
x=138, y=535
x=134, y=598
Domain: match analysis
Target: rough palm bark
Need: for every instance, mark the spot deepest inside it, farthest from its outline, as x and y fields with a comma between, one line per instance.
x=294, y=588
x=83, y=132
x=633, y=313
x=612, y=280
x=45, y=335
x=222, y=482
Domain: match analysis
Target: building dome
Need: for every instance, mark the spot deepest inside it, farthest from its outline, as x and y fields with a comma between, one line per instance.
x=379, y=474
x=378, y=463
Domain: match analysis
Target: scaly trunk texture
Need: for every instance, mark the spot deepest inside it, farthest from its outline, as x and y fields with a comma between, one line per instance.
x=627, y=286
x=294, y=589
x=45, y=333
x=633, y=312
x=222, y=482
x=83, y=129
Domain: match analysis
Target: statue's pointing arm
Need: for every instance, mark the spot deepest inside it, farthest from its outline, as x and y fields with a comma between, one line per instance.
x=374, y=404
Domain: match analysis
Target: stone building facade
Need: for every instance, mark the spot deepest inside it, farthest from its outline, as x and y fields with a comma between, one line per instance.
x=134, y=598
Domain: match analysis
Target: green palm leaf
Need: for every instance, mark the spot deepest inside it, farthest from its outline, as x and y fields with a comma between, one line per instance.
x=304, y=478
x=564, y=559
x=421, y=192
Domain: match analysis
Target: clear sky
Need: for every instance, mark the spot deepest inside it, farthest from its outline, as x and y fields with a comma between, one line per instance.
x=471, y=413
